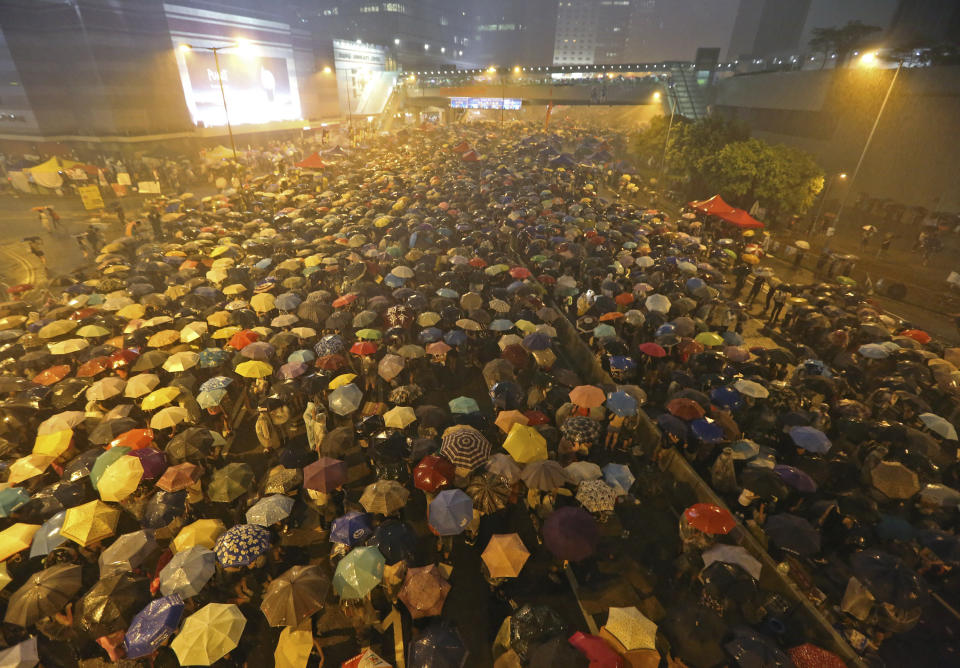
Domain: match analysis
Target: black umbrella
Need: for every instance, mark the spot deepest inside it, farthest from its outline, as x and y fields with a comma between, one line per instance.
x=193, y=445
x=108, y=430
x=396, y=541
x=889, y=579
x=695, y=633
x=726, y=582
x=793, y=533
x=44, y=594
x=111, y=604
x=533, y=624
x=555, y=652
x=754, y=650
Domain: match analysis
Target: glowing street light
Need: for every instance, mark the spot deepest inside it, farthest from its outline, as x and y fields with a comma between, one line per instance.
x=327, y=69
x=516, y=69
x=656, y=96
x=869, y=59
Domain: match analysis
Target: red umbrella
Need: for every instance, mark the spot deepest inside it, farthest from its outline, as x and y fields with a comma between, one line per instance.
x=546, y=279
x=709, y=518
x=516, y=354
x=122, y=358
x=652, y=349
x=83, y=313
x=917, y=335
x=536, y=417
x=610, y=315
x=520, y=272
x=624, y=298
x=478, y=262
x=433, y=473
x=597, y=650
x=345, y=300
x=92, y=367
x=135, y=439
x=18, y=289
x=242, y=339
x=52, y=375
x=685, y=409
x=811, y=656
x=331, y=362
x=363, y=348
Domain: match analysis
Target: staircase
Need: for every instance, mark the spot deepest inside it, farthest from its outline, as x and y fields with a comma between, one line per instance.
x=689, y=96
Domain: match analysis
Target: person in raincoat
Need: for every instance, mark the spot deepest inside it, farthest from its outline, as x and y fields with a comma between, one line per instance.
x=267, y=432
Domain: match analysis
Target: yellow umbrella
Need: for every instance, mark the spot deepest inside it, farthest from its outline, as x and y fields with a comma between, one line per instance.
x=16, y=539
x=263, y=302
x=163, y=338
x=544, y=358
x=313, y=261
x=5, y=578
x=225, y=333
x=28, y=467
x=57, y=328
x=202, y=532
x=159, y=398
x=67, y=347
x=750, y=258
x=209, y=634
x=220, y=250
x=12, y=321
x=294, y=647
x=132, y=311
x=176, y=291
x=255, y=369
x=141, y=384
x=525, y=326
x=223, y=263
x=90, y=522
x=120, y=479
x=115, y=269
x=525, y=444
x=399, y=417
x=181, y=361
x=341, y=380
x=92, y=331
x=169, y=417
x=235, y=289
x=53, y=445
x=193, y=332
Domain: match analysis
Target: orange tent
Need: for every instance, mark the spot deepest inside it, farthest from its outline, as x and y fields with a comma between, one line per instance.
x=713, y=206
x=311, y=162
x=741, y=219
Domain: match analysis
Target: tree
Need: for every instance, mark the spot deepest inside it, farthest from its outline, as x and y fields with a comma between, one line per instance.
x=841, y=41
x=646, y=145
x=784, y=180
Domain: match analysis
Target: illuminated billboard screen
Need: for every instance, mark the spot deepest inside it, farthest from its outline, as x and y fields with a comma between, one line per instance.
x=508, y=103
x=256, y=65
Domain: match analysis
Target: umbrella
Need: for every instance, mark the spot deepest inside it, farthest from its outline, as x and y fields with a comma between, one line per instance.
x=120, y=479
x=111, y=603
x=270, y=510
x=89, y=523
x=325, y=474
x=241, y=545
x=939, y=426
x=749, y=648
x=16, y=538
x=751, y=388
x=294, y=647
x=127, y=552
x=465, y=447
x=396, y=541
x=424, y=591
x=169, y=417
x=793, y=533
x=587, y=396
x=346, y=399
x=11, y=499
x=811, y=656
x=178, y=477
x=631, y=627
x=685, y=409
x=463, y=405
x=231, y=482
x=440, y=646
x=505, y=555
x=489, y=492
x=153, y=626
x=733, y=554
x=546, y=475
x=209, y=634
x=895, y=480
x=433, y=473
x=44, y=594
x=450, y=512
x=358, y=573
x=399, y=417
x=596, y=496
x=889, y=579
x=295, y=595
x=619, y=477
x=384, y=497
x=203, y=532
x=48, y=536
x=581, y=429
x=570, y=534
x=810, y=439
x=22, y=655
x=188, y=571
x=525, y=444
x=709, y=518
x=141, y=385
x=579, y=471
x=351, y=529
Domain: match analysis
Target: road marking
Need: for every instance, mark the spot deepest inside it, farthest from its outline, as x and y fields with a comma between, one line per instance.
x=25, y=265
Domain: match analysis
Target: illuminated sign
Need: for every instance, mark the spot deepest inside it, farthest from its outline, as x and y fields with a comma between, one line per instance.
x=259, y=77
x=507, y=103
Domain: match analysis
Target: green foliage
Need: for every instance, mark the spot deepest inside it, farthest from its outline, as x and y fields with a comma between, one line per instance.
x=841, y=40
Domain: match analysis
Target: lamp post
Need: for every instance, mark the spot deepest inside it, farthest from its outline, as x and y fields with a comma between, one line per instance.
x=666, y=138
x=823, y=200
x=216, y=61
x=867, y=60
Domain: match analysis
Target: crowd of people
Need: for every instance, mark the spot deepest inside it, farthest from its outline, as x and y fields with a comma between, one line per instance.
x=429, y=402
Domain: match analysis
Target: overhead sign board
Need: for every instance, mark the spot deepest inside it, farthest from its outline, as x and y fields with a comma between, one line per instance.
x=507, y=103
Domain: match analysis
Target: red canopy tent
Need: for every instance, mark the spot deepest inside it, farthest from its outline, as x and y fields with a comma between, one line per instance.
x=741, y=219
x=311, y=162
x=713, y=206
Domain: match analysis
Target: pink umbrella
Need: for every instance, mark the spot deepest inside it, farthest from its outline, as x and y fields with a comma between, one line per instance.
x=325, y=474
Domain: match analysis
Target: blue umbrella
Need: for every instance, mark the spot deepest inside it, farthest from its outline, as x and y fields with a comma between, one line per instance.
x=396, y=541
x=732, y=338
x=501, y=325
x=456, y=337
x=622, y=363
x=450, y=512
x=11, y=499
x=430, y=334
x=746, y=449
x=151, y=627
x=796, y=478
x=810, y=439
x=215, y=383
x=350, y=529
x=332, y=344
x=270, y=510
x=673, y=427
x=618, y=476
x=164, y=507
x=891, y=527
x=726, y=397
x=48, y=536
x=241, y=545
x=393, y=281
x=621, y=403
x=707, y=430
x=873, y=351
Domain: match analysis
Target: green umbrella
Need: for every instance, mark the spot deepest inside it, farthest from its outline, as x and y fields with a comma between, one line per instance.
x=230, y=482
x=358, y=573
x=105, y=460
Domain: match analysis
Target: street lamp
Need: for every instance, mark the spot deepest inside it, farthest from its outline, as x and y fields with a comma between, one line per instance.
x=869, y=59
x=823, y=200
x=666, y=137
x=185, y=48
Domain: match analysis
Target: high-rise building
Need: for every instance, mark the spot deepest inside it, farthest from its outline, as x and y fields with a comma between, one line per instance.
x=592, y=32
x=781, y=25
x=510, y=33
x=745, y=28
x=925, y=23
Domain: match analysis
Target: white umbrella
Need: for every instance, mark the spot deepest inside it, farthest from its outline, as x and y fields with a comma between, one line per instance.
x=939, y=426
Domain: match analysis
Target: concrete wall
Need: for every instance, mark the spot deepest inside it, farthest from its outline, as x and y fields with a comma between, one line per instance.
x=913, y=158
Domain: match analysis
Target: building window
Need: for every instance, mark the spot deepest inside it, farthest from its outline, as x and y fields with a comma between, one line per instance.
x=369, y=9
x=333, y=11
x=395, y=7
x=444, y=21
